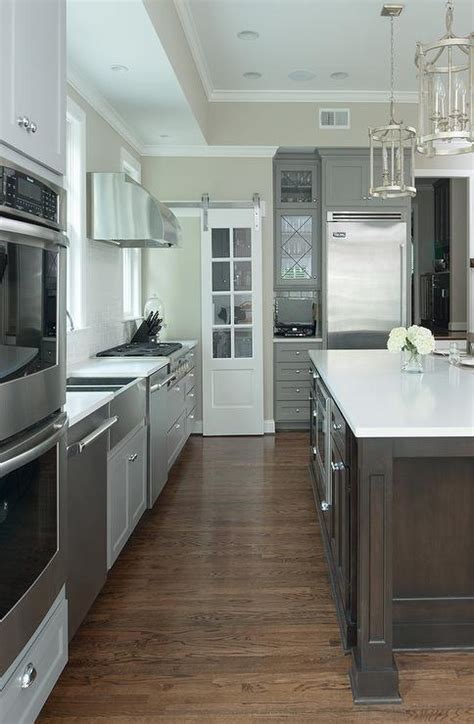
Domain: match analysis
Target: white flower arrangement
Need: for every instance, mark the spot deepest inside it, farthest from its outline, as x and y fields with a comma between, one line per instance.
x=415, y=339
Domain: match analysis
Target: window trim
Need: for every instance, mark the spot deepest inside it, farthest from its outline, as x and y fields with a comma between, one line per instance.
x=76, y=123
x=131, y=258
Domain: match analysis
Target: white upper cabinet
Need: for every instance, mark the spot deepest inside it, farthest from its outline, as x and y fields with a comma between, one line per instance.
x=33, y=79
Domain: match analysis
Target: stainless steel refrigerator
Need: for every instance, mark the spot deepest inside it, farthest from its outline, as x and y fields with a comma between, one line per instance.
x=366, y=277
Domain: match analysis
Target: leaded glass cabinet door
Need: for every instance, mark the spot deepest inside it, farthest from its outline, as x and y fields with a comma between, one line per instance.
x=297, y=262
x=232, y=324
x=296, y=185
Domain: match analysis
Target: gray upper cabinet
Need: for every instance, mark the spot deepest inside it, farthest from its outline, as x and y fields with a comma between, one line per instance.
x=297, y=249
x=296, y=184
x=346, y=180
x=33, y=91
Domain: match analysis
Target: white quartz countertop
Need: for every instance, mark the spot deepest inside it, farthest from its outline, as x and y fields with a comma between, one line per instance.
x=14, y=358
x=80, y=405
x=123, y=366
x=378, y=400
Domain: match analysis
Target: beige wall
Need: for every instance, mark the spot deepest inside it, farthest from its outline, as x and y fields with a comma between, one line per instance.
x=103, y=287
x=295, y=124
x=175, y=276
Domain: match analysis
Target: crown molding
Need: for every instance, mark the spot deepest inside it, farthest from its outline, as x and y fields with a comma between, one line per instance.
x=185, y=15
x=211, y=151
x=309, y=96
x=97, y=101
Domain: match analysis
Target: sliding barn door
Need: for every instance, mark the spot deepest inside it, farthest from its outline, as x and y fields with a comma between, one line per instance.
x=231, y=253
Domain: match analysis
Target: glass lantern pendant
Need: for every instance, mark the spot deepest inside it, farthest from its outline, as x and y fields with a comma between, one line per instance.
x=392, y=147
x=446, y=79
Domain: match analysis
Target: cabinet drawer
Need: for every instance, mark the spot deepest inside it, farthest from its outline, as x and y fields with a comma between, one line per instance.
x=175, y=402
x=190, y=418
x=130, y=408
x=189, y=381
x=190, y=401
x=338, y=429
x=292, y=371
x=292, y=353
x=175, y=439
x=292, y=411
x=46, y=659
x=297, y=391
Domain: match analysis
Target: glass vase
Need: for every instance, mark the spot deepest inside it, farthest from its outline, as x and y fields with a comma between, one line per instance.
x=412, y=362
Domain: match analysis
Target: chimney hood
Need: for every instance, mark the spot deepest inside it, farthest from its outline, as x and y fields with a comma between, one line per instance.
x=124, y=213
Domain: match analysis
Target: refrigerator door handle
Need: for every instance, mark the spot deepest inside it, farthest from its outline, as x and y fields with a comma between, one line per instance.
x=403, y=290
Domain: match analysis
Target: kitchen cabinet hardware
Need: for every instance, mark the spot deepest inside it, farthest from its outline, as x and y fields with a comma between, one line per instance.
x=28, y=676
x=78, y=447
x=160, y=385
x=337, y=426
x=335, y=467
x=23, y=122
x=324, y=506
x=33, y=127
x=132, y=457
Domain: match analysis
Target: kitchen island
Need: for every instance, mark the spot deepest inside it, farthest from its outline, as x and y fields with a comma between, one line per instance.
x=392, y=461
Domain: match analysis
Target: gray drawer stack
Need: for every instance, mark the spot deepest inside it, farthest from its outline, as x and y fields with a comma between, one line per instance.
x=292, y=383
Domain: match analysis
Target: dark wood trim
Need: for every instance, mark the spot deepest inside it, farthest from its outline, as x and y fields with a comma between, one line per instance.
x=374, y=674
x=433, y=447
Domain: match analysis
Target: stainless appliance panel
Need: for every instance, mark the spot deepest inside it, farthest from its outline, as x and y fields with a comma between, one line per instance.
x=32, y=530
x=365, y=282
x=32, y=324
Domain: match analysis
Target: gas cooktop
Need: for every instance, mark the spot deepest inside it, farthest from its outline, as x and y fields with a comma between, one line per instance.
x=142, y=349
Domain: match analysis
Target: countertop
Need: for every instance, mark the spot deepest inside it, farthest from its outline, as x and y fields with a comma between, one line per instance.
x=378, y=400
x=14, y=358
x=124, y=366
x=80, y=405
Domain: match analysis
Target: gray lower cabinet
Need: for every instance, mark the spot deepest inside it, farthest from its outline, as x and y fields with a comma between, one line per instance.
x=29, y=681
x=292, y=383
x=126, y=490
x=182, y=398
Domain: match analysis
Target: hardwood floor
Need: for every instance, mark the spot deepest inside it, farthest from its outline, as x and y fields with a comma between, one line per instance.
x=219, y=609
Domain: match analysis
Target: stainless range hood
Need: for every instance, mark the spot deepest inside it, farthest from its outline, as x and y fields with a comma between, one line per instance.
x=124, y=213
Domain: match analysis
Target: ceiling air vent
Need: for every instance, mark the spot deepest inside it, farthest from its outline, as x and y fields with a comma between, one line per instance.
x=334, y=118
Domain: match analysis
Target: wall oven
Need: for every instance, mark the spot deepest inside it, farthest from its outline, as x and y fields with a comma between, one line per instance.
x=321, y=438
x=32, y=300
x=32, y=515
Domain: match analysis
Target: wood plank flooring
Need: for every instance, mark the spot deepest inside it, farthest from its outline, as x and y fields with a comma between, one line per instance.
x=219, y=609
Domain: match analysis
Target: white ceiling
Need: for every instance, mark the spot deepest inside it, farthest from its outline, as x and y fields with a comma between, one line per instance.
x=148, y=98
x=322, y=36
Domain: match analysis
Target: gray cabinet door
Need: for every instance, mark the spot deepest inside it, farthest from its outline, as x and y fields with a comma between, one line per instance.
x=347, y=181
x=297, y=250
x=296, y=184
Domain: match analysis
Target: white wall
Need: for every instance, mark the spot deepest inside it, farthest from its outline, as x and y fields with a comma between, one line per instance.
x=103, y=288
x=175, y=276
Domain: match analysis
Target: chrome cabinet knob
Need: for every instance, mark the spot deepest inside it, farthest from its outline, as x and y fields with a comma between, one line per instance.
x=314, y=450
x=298, y=390
x=297, y=352
x=336, y=426
x=297, y=409
x=132, y=458
x=178, y=426
x=33, y=127
x=297, y=372
x=336, y=467
x=23, y=122
x=28, y=676
x=324, y=506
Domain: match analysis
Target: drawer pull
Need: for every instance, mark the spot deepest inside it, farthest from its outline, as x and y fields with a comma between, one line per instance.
x=297, y=353
x=297, y=409
x=298, y=389
x=337, y=426
x=132, y=458
x=28, y=676
x=297, y=372
x=335, y=467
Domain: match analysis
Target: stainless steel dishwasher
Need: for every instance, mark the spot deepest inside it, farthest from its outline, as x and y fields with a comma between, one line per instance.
x=157, y=431
x=87, y=513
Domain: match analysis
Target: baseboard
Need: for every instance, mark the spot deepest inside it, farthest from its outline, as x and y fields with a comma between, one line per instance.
x=457, y=326
x=268, y=427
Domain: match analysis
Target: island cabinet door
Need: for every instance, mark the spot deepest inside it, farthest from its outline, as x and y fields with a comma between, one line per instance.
x=340, y=526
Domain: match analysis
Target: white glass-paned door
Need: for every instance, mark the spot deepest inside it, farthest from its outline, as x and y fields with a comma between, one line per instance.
x=232, y=324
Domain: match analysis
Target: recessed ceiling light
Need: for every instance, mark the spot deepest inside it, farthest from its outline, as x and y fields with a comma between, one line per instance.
x=301, y=75
x=339, y=76
x=252, y=75
x=117, y=68
x=248, y=35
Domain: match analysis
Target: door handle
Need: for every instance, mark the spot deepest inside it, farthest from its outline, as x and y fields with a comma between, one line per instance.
x=160, y=385
x=23, y=458
x=78, y=447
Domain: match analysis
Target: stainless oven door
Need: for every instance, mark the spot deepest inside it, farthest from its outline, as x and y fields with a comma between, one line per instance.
x=32, y=517
x=32, y=324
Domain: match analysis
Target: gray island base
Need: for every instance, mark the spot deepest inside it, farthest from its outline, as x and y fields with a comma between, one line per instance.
x=392, y=462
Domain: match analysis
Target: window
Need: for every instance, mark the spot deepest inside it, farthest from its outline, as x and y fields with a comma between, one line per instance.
x=132, y=258
x=75, y=184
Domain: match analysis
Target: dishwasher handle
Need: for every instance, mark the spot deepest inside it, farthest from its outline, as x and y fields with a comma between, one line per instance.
x=78, y=447
x=160, y=385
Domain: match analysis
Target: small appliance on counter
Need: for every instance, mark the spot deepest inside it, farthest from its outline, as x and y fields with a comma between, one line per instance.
x=295, y=317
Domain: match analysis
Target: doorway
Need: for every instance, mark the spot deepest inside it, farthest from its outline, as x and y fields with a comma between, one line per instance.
x=440, y=255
